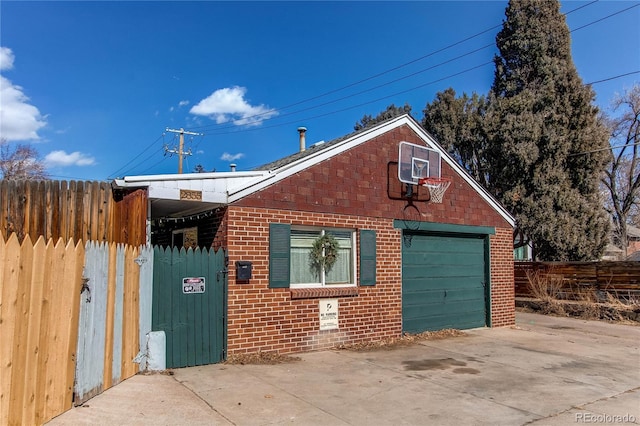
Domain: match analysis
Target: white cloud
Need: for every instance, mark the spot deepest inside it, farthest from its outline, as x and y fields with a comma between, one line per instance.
x=228, y=104
x=19, y=120
x=6, y=58
x=231, y=157
x=183, y=103
x=61, y=158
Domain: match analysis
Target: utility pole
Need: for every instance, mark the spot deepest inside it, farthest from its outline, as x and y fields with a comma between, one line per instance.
x=180, y=151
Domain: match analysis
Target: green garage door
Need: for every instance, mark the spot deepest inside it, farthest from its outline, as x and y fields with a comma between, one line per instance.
x=443, y=282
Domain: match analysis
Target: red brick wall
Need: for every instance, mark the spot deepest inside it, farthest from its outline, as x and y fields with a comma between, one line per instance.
x=351, y=191
x=356, y=183
x=502, y=283
x=266, y=319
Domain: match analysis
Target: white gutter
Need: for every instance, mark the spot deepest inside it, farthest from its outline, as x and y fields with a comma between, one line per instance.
x=140, y=180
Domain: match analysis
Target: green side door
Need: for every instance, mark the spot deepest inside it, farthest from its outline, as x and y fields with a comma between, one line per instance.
x=189, y=291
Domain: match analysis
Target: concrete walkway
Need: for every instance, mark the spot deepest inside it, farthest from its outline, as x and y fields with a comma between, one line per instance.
x=545, y=371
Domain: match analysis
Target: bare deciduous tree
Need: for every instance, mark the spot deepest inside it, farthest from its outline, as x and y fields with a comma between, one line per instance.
x=20, y=162
x=622, y=176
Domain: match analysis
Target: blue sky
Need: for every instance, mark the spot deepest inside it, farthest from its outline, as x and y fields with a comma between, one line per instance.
x=93, y=85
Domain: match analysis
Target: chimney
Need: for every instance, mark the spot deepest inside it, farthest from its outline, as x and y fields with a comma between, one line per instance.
x=233, y=167
x=302, y=131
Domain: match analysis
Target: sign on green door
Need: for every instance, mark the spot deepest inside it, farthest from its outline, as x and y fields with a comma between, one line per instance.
x=189, y=291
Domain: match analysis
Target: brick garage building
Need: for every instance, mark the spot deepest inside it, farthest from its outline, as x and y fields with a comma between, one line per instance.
x=404, y=263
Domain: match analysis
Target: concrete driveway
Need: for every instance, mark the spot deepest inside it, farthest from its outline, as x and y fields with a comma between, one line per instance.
x=544, y=371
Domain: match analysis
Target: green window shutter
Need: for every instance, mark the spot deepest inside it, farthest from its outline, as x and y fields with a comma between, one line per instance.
x=367, y=257
x=279, y=255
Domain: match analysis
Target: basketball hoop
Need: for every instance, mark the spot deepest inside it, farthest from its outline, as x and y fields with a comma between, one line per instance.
x=437, y=187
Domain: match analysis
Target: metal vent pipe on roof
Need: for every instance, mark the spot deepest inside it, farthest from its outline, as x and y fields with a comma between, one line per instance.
x=302, y=131
x=233, y=167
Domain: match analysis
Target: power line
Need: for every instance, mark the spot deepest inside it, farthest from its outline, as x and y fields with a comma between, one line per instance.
x=154, y=153
x=614, y=78
x=219, y=127
x=153, y=165
x=606, y=17
x=376, y=87
x=609, y=148
x=364, y=80
x=361, y=104
x=219, y=131
x=147, y=158
x=136, y=157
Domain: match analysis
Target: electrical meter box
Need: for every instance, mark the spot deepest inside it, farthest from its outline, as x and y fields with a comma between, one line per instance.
x=243, y=270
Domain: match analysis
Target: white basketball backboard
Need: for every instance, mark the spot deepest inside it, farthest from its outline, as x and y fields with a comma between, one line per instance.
x=416, y=162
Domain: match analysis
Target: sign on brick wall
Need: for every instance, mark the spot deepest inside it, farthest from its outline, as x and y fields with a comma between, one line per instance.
x=328, y=314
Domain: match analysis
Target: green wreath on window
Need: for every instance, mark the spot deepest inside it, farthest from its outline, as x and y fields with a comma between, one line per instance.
x=324, y=251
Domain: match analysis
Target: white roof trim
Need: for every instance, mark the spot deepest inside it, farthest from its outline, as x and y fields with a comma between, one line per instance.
x=144, y=180
x=213, y=187
x=342, y=146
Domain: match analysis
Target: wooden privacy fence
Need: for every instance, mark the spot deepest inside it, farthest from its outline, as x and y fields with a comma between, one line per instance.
x=115, y=316
x=38, y=328
x=622, y=278
x=82, y=211
x=56, y=209
x=68, y=311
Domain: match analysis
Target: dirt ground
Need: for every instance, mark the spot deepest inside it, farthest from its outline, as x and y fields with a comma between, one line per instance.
x=271, y=358
x=609, y=312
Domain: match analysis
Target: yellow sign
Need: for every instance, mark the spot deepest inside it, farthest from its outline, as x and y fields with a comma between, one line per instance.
x=187, y=194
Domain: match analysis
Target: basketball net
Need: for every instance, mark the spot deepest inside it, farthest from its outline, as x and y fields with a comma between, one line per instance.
x=436, y=186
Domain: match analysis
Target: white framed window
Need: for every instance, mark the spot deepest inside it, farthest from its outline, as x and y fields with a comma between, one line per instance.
x=306, y=274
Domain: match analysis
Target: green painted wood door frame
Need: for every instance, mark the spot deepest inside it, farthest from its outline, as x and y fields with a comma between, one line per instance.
x=444, y=229
x=194, y=322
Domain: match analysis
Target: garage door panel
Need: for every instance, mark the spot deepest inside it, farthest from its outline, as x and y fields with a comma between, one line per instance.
x=464, y=307
x=443, y=258
x=442, y=283
x=426, y=273
x=446, y=244
x=429, y=271
x=443, y=280
x=442, y=297
x=438, y=322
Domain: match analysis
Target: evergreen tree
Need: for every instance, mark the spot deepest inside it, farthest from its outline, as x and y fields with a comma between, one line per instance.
x=544, y=131
x=457, y=124
x=390, y=112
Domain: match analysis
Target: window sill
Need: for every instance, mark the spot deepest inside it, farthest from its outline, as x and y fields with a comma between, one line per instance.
x=317, y=293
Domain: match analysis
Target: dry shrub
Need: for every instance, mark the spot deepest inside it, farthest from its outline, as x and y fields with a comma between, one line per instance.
x=618, y=309
x=585, y=302
x=546, y=287
x=406, y=339
x=260, y=358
